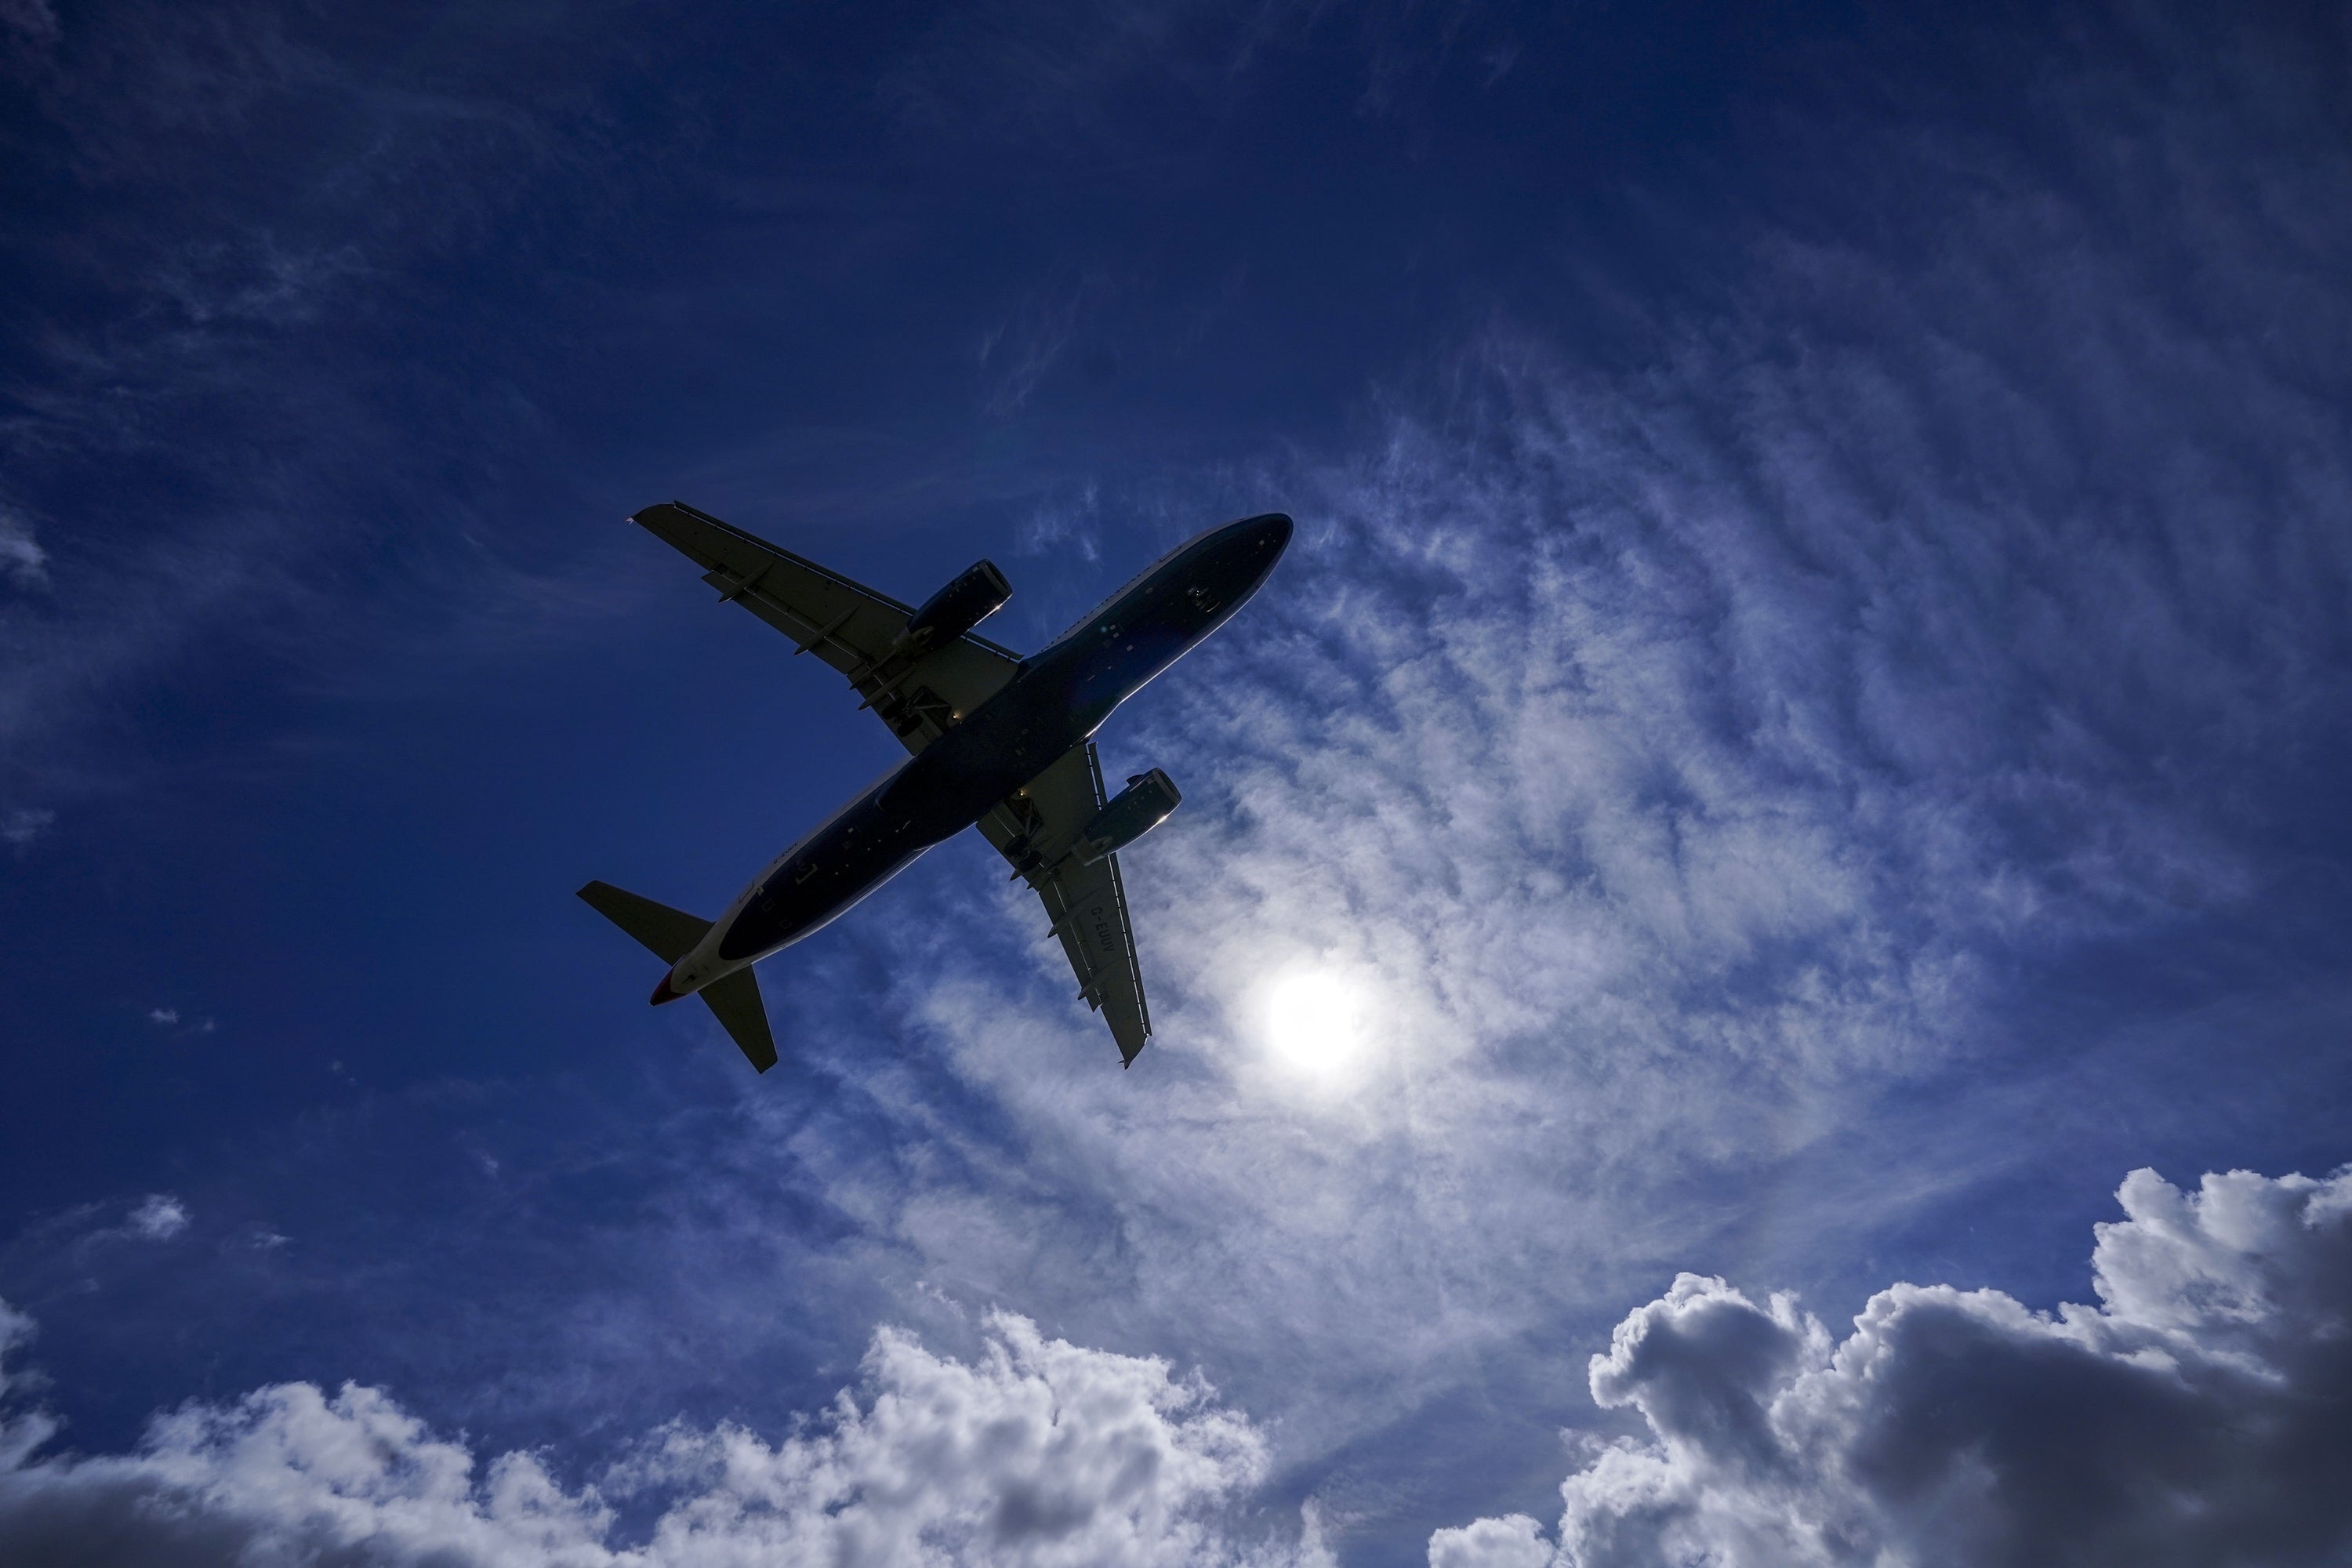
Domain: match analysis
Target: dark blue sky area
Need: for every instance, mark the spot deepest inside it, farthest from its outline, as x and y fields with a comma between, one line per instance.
x=1806, y=717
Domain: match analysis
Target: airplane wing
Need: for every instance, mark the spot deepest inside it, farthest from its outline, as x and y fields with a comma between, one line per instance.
x=1033, y=829
x=848, y=626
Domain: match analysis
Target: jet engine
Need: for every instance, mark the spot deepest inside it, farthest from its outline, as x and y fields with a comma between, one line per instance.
x=1135, y=811
x=955, y=609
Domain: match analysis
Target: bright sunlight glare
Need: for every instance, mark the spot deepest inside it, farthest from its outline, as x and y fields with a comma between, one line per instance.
x=1314, y=1020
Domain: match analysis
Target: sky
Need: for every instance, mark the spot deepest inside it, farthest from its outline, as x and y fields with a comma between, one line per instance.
x=1794, y=760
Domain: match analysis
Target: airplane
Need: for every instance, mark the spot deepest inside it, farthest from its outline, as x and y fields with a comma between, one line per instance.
x=998, y=741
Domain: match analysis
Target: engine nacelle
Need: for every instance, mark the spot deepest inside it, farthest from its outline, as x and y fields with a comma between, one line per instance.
x=1135, y=811
x=955, y=609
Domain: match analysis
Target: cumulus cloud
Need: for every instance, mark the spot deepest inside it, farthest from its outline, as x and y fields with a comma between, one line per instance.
x=160, y=1216
x=2196, y=1416
x=1035, y=1452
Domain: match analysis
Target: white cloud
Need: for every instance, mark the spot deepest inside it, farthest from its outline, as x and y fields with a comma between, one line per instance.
x=159, y=1217
x=2195, y=1416
x=1036, y=1452
x=1514, y=1541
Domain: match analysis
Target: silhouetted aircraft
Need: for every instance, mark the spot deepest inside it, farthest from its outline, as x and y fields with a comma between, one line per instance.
x=999, y=743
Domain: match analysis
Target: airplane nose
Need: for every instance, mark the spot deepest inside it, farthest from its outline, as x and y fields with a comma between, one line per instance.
x=1278, y=527
x=662, y=993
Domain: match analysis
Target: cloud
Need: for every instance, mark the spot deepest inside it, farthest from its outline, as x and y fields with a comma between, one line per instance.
x=19, y=1434
x=2195, y=1416
x=1672, y=750
x=203, y=349
x=20, y=825
x=33, y=19
x=16, y=1330
x=1016, y=353
x=1514, y=1541
x=1646, y=757
x=23, y=563
x=1673, y=757
x=159, y=1217
x=1054, y=72
x=1036, y=1452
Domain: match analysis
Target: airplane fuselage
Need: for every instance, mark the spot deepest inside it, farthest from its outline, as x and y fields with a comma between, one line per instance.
x=1054, y=701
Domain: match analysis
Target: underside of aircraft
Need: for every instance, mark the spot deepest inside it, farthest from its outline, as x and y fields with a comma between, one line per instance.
x=995, y=740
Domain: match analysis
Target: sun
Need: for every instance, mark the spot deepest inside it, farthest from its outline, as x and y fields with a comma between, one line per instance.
x=1315, y=1020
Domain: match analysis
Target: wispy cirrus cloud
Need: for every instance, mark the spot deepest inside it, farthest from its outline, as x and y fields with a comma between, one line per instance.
x=1016, y=353
x=1674, y=759
x=210, y=475
x=23, y=564
x=33, y=19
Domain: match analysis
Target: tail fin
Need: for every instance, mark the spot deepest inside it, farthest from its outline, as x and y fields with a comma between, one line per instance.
x=670, y=934
x=735, y=1001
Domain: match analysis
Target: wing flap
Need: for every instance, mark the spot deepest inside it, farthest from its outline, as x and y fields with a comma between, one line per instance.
x=1086, y=905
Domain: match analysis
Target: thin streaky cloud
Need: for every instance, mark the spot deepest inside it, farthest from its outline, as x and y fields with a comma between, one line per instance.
x=1642, y=746
x=23, y=564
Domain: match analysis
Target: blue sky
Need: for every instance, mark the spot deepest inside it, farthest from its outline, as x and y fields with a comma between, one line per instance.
x=1803, y=724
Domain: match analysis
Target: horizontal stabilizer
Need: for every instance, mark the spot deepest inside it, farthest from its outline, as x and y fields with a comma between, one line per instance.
x=669, y=935
x=735, y=1001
